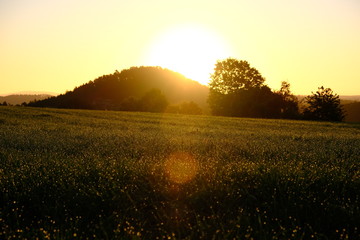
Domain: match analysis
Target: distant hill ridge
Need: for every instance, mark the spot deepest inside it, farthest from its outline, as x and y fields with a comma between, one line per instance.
x=116, y=91
x=119, y=90
x=352, y=112
x=17, y=99
x=350, y=97
x=344, y=98
x=351, y=104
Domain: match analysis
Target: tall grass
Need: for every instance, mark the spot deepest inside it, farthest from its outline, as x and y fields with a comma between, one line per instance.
x=72, y=174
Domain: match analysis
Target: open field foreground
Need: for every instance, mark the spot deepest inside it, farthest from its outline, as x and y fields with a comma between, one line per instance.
x=71, y=174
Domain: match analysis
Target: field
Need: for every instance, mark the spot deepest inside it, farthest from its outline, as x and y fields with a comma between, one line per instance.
x=75, y=174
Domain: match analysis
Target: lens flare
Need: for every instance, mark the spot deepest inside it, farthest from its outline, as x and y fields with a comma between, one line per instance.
x=181, y=167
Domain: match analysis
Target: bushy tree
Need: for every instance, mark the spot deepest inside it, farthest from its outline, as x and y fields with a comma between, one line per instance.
x=237, y=89
x=231, y=75
x=232, y=78
x=153, y=101
x=323, y=105
x=129, y=104
x=190, y=108
x=289, y=102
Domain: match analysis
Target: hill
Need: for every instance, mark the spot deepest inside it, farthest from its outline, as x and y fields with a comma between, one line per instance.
x=352, y=111
x=350, y=104
x=120, y=90
x=15, y=99
x=345, y=99
x=351, y=98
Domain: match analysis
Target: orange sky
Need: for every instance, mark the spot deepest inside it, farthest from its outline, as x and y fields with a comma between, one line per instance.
x=53, y=46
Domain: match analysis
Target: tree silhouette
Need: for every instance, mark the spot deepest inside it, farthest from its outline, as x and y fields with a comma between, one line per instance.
x=323, y=105
x=231, y=75
x=190, y=108
x=153, y=101
x=237, y=89
x=289, y=102
x=124, y=90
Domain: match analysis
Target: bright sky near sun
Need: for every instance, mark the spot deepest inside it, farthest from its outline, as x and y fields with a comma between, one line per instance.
x=54, y=46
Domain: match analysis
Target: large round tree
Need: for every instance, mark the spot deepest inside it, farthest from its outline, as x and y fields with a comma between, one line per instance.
x=237, y=89
x=324, y=105
x=231, y=75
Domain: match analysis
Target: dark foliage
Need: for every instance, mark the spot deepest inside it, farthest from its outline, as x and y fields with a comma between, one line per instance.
x=20, y=99
x=238, y=90
x=189, y=108
x=324, y=105
x=289, y=102
x=254, y=102
x=352, y=112
x=127, y=89
x=231, y=75
x=153, y=101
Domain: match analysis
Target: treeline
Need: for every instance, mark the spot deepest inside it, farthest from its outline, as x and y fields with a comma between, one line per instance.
x=21, y=99
x=236, y=89
x=150, y=89
x=352, y=112
x=239, y=90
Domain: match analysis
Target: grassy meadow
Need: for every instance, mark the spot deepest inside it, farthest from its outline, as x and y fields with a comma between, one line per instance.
x=76, y=174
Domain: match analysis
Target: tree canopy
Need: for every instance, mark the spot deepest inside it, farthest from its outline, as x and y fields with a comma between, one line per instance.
x=131, y=90
x=289, y=102
x=237, y=89
x=231, y=75
x=153, y=101
x=325, y=105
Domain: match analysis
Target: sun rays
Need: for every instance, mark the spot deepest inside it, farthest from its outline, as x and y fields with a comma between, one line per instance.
x=189, y=49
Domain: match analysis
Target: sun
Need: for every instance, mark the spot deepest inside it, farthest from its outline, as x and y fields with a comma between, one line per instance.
x=188, y=49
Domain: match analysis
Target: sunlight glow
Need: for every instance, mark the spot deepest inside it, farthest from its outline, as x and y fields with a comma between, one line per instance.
x=189, y=50
x=181, y=167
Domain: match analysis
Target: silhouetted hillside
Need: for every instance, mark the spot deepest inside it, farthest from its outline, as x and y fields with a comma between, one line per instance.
x=15, y=99
x=121, y=90
x=350, y=105
x=345, y=99
x=352, y=111
x=350, y=98
x=352, y=108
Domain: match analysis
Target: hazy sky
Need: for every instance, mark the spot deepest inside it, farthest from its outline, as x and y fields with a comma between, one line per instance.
x=56, y=45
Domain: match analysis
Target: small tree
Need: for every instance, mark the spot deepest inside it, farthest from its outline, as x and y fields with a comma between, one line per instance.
x=190, y=108
x=289, y=102
x=153, y=101
x=323, y=105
